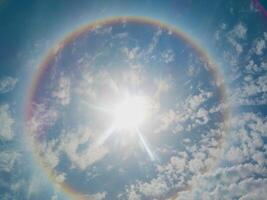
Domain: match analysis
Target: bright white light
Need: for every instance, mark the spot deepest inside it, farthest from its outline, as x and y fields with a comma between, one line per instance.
x=130, y=113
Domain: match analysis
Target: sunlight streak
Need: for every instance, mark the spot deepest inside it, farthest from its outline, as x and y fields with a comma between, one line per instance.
x=106, y=135
x=144, y=143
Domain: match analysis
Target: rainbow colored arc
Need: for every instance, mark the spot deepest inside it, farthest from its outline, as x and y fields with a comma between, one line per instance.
x=44, y=65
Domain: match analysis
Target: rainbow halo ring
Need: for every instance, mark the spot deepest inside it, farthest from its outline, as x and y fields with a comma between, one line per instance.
x=122, y=104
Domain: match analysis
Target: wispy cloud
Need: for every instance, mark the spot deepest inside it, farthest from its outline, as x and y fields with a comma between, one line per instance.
x=6, y=123
x=7, y=84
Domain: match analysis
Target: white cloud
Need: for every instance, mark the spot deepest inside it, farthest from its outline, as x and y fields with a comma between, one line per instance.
x=7, y=84
x=98, y=196
x=102, y=30
x=240, y=31
x=60, y=177
x=8, y=160
x=166, y=120
x=163, y=85
x=68, y=143
x=132, y=195
x=236, y=36
x=87, y=158
x=121, y=35
x=49, y=153
x=238, y=47
x=133, y=77
x=95, y=87
x=255, y=189
x=227, y=183
x=192, y=70
x=42, y=117
x=168, y=177
x=190, y=109
x=195, y=101
x=251, y=92
x=154, y=41
x=254, y=68
x=196, y=164
x=244, y=177
x=168, y=56
x=219, y=32
x=178, y=173
x=62, y=93
x=234, y=155
x=183, y=169
x=6, y=123
x=54, y=197
x=178, y=163
x=260, y=46
x=155, y=188
x=131, y=53
x=202, y=116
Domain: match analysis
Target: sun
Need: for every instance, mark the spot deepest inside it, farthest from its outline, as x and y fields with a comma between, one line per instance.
x=130, y=113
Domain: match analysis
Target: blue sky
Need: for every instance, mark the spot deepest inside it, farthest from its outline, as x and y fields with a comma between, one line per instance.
x=184, y=153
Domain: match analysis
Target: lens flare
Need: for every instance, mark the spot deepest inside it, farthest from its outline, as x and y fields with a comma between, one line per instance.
x=130, y=112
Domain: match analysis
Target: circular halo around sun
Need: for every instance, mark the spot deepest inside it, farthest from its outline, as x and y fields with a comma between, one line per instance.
x=119, y=106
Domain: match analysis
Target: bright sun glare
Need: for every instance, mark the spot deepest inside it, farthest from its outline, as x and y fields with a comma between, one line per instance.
x=130, y=113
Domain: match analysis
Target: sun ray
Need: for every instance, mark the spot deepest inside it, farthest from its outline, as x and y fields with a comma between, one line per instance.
x=99, y=108
x=106, y=135
x=146, y=146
